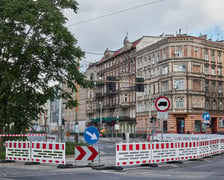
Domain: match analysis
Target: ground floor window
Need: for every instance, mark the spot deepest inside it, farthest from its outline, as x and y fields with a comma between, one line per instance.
x=221, y=122
x=197, y=126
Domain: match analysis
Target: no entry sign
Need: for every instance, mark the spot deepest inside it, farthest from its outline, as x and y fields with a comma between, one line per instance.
x=162, y=104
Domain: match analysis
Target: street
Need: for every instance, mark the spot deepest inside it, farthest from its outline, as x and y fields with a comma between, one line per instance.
x=205, y=169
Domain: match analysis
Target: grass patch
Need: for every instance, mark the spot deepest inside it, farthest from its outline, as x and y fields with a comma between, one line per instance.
x=70, y=147
x=2, y=154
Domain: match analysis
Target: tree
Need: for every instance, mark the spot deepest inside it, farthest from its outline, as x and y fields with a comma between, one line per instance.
x=36, y=49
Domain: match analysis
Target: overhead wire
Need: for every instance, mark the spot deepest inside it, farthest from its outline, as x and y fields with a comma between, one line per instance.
x=117, y=12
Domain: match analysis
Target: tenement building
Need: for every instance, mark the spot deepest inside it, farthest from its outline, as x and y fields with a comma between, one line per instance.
x=115, y=96
x=189, y=72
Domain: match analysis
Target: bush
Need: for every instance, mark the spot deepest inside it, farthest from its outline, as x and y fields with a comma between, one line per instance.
x=70, y=147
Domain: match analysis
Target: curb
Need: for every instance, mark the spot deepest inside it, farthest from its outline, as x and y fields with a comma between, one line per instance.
x=117, y=168
x=65, y=166
x=7, y=161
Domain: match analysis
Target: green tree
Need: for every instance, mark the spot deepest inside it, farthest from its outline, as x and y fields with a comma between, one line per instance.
x=36, y=49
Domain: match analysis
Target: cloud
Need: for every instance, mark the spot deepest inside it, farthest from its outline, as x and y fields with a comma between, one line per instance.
x=192, y=16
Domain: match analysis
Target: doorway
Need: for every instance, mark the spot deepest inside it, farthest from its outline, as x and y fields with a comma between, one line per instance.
x=180, y=125
x=213, y=125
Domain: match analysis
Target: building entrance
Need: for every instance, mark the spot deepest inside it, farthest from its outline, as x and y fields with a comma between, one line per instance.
x=180, y=125
x=213, y=125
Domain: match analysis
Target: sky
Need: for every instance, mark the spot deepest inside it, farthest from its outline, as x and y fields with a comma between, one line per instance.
x=102, y=24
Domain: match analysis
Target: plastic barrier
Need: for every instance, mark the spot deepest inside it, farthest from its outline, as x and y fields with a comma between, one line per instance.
x=133, y=154
x=21, y=135
x=43, y=152
x=157, y=152
x=187, y=150
x=17, y=150
x=164, y=152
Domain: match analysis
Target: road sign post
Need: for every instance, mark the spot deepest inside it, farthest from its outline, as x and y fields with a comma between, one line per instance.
x=162, y=104
x=206, y=116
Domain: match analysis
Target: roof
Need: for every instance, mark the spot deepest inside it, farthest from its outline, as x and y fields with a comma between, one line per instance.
x=117, y=52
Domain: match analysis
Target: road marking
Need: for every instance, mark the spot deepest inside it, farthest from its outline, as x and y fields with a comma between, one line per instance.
x=6, y=179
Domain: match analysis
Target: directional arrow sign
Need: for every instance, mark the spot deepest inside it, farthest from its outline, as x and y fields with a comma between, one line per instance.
x=91, y=135
x=89, y=153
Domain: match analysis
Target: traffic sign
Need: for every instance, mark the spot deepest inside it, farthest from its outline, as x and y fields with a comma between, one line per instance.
x=91, y=135
x=162, y=115
x=206, y=116
x=162, y=104
x=89, y=153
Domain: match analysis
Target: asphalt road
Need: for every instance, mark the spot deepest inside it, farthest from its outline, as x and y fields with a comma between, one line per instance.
x=205, y=169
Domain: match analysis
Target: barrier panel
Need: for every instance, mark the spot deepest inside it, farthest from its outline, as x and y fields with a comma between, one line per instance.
x=214, y=146
x=17, y=150
x=163, y=152
x=48, y=152
x=133, y=154
x=221, y=145
x=43, y=152
x=157, y=152
x=21, y=135
x=204, y=149
x=187, y=150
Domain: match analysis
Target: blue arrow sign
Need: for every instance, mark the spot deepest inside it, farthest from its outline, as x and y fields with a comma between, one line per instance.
x=206, y=116
x=91, y=135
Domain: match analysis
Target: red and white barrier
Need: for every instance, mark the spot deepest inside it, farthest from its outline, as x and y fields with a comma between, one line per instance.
x=21, y=135
x=133, y=154
x=17, y=150
x=164, y=152
x=43, y=152
x=157, y=152
x=187, y=150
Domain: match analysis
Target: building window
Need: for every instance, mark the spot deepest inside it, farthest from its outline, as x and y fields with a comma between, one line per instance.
x=197, y=126
x=207, y=104
x=221, y=122
x=220, y=87
x=214, y=105
x=179, y=84
x=220, y=105
x=164, y=86
x=219, y=71
x=206, y=69
x=164, y=54
x=206, y=54
x=153, y=59
x=206, y=86
x=213, y=71
x=213, y=56
x=125, y=97
x=219, y=57
x=165, y=70
x=179, y=52
x=213, y=87
x=179, y=103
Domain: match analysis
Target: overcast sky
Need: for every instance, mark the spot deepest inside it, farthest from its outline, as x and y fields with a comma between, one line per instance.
x=116, y=18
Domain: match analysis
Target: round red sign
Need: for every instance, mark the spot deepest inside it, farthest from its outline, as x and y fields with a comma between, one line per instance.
x=162, y=104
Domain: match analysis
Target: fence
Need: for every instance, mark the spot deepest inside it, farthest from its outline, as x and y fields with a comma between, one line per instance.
x=43, y=152
x=185, y=137
x=128, y=154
